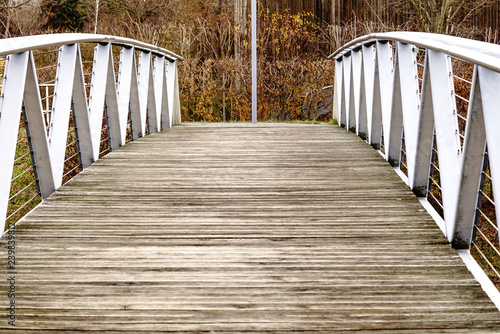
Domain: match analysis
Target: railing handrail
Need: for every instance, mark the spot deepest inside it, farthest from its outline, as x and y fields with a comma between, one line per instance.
x=27, y=43
x=480, y=53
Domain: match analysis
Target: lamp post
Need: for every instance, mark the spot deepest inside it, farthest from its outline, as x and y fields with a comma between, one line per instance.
x=254, y=61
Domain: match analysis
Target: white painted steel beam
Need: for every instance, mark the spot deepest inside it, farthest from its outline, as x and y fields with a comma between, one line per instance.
x=471, y=169
x=11, y=103
x=366, y=94
x=81, y=116
x=123, y=89
x=61, y=110
x=337, y=89
x=20, y=87
x=147, y=94
x=375, y=138
x=425, y=137
x=38, y=134
x=394, y=132
x=20, y=94
x=382, y=94
x=490, y=99
x=355, y=91
x=128, y=95
x=174, y=102
x=447, y=137
x=161, y=96
x=103, y=98
x=427, y=116
x=398, y=107
x=345, y=115
x=409, y=102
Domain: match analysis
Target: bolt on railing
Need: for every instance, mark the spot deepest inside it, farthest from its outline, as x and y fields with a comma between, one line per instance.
x=50, y=130
x=430, y=103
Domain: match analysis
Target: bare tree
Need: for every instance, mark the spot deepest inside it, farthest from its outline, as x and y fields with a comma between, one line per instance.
x=6, y=9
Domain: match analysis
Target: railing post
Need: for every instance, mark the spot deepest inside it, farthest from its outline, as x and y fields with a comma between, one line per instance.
x=20, y=95
x=405, y=107
x=356, y=63
x=161, y=96
x=337, y=90
x=395, y=131
x=42, y=164
x=20, y=85
x=11, y=100
x=147, y=93
x=490, y=99
x=366, y=96
x=123, y=96
x=382, y=94
x=61, y=106
x=173, y=93
x=128, y=94
x=345, y=110
x=471, y=168
x=420, y=174
x=103, y=93
x=373, y=99
x=81, y=115
x=447, y=137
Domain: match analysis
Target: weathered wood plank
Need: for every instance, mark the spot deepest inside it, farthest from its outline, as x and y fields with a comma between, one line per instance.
x=240, y=228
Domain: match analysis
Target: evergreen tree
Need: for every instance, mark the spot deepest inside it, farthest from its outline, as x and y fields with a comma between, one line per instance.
x=62, y=15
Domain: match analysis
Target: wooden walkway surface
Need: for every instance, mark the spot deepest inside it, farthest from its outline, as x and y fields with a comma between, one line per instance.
x=232, y=228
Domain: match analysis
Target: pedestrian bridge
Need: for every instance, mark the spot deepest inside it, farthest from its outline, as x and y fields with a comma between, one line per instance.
x=234, y=227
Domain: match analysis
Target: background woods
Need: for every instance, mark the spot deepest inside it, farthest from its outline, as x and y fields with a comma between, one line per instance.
x=294, y=38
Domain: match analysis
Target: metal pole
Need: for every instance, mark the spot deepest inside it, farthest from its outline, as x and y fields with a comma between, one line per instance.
x=96, y=15
x=254, y=61
x=223, y=97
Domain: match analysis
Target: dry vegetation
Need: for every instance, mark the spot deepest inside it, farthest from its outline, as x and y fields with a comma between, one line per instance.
x=215, y=42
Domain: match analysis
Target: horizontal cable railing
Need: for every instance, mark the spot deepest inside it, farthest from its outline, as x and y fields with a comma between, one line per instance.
x=430, y=103
x=68, y=99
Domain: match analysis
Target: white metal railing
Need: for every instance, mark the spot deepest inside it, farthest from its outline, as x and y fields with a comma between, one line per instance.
x=398, y=91
x=142, y=97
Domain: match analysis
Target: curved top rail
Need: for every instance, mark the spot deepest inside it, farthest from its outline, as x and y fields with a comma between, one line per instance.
x=476, y=52
x=26, y=43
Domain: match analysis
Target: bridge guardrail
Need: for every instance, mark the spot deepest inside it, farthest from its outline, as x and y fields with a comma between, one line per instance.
x=137, y=96
x=439, y=129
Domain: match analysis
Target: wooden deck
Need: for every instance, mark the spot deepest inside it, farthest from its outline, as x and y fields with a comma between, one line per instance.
x=239, y=228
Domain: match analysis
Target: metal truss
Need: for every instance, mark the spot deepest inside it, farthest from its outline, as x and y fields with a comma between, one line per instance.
x=147, y=94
